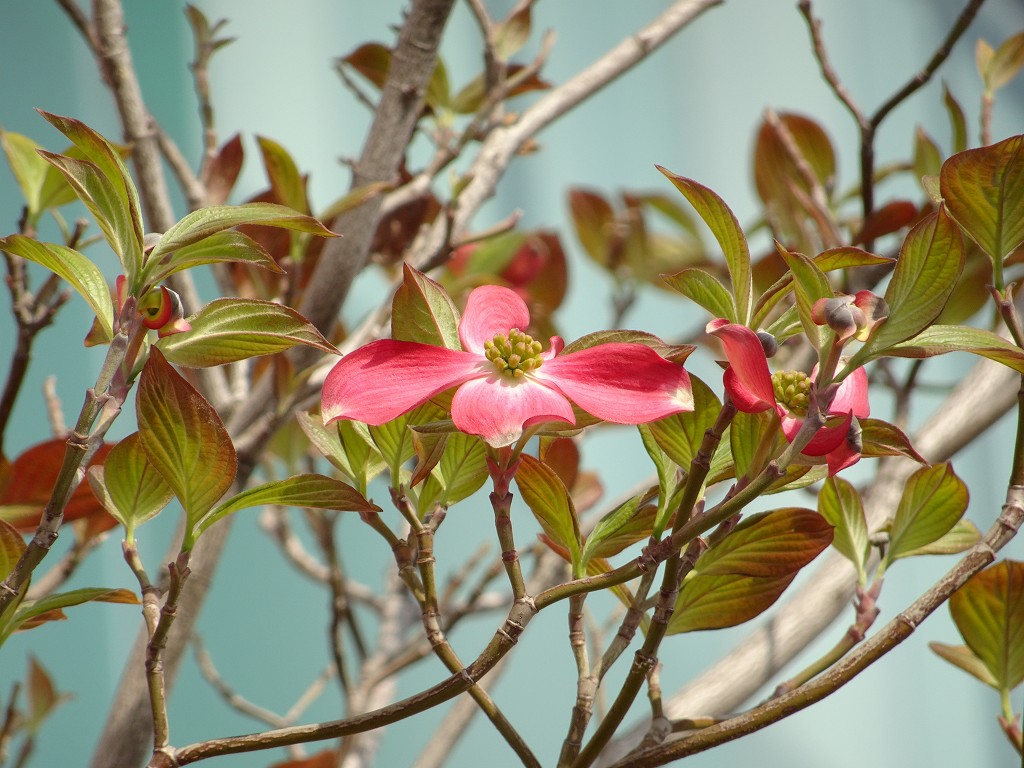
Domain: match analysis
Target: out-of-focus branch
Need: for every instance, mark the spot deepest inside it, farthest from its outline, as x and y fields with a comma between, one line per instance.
x=502, y=144
x=401, y=102
x=973, y=406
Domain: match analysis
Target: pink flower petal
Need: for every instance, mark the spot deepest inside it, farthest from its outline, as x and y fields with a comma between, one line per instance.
x=491, y=309
x=852, y=395
x=621, y=383
x=842, y=457
x=497, y=409
x=747, y=380
x=386, y=378
x=825, y=440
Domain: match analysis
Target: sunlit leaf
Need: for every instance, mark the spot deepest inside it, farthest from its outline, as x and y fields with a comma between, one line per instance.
x=227, y=330
x=703, y=289
x=726, y=229
x=941, y=339
x=929, y=264
x=769, y=544
x=311, y=491
x=934, y=498
x=549, y=500
x=983, y=190
x=130, y=487
x=67, y=263
x=989, y=612
x=28, y=167
x=217, y=248
x=185, y=440
x=963, y=657
x=840, y=504
x=715, y=602
x=961, y=537
x=809, y=284
x=463, y=467
x=287, y=183
x=422, y=311
x=880, y=438
x=681, y=434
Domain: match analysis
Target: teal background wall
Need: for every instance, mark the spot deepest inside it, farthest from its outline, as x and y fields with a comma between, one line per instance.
x=693, y=108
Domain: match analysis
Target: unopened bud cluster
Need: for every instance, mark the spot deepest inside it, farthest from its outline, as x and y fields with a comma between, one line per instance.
x=514, y=355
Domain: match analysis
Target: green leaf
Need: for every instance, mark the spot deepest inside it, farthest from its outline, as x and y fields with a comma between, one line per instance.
x=927, y=155
x=549, y=500
x=703, y=289
x=67, y=263
x=28, y=167
x=1006, y=62
x=809, y=284
x=11, y=546
x=184, y=439
x=669, y=480
x=989, y=612
x=840, y=504
x=769, y=544
x=612, y=525
x=511, y=34
x=957, y=120
x=422, y=311
x=934, y=498
x=462, y=470
x=963, y=657
x=715, y=602
x=394, y=438
x=429, y=448
x=129, y=486
x=961, y=537
x=285, y=180
x=983, y=190
x=929, y=264
x=31, y=609
x=209, y=221
x=227, y=330
x=880, y=438
x=311, y=491
x=940, y=339
x=680, y=435
x=220, y=247
x=344, y=446
x=748, y=435
x=726, y=229
x=117, y=208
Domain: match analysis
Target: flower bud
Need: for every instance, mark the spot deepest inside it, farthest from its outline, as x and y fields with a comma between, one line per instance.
x=850, y=316
x=768, y=343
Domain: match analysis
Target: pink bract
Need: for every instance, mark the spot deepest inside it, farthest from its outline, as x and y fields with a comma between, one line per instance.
x=749, y=383
x=616, y=382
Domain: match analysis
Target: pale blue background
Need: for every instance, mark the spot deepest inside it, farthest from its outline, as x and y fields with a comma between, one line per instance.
x=692, y=108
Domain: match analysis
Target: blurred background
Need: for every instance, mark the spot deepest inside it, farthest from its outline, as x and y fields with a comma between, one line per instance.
x=693, y=107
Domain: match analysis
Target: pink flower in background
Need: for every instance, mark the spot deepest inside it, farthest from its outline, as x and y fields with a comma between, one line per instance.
x=506, y=382
x=753, y=390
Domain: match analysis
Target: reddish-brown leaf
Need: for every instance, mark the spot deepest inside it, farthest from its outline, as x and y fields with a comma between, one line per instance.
x=33, y=475
x=891, y=217
x=222, y=172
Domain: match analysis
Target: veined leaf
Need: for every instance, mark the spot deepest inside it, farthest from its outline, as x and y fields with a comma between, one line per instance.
x=129, y=486
x=963, y=657
x=715, y=602
x=423, y=312
x=934, y=498
x=726, y=229
x=32, y=613
x=28, y=167
x=809, y=284
x=220, y=247
x=308, y=490
x=119, y=204
x=681, y=434
x=940, y=339
x=226, y=330
x=209, y=221
x=930, y=262
x=463, y=467
x=704, y=289
x=769, y=544
x=962, y=536
x=840, y=504
x=983, y=190
x=184, y=439
x=989, y=612
x=67, y=263
x=285, y=179
x=549, y=500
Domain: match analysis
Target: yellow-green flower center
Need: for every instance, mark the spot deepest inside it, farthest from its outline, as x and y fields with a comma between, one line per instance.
x=514, y=354
x=792, y=390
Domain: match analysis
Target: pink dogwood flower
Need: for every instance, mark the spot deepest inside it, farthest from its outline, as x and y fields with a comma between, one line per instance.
x=506, y=382
x=753, y=390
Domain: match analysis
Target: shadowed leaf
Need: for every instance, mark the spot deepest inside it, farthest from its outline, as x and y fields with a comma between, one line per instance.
x=769, y=544
x=963, y=657
x=549, y=500
x=715, y=602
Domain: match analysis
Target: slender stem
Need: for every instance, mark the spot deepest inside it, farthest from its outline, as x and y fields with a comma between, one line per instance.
x=890, y=636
